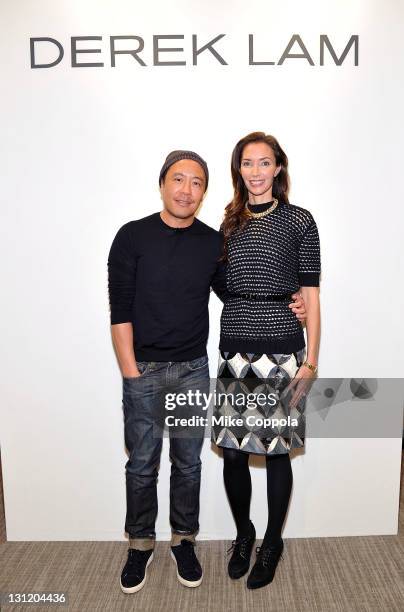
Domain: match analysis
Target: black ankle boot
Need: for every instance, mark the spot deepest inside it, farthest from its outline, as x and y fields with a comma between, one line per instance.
x=239, y=563
x=263, y=571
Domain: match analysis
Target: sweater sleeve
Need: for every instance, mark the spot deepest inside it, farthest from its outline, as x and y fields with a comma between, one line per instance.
x=218, y=282
x=122, y=276
x=309, y=257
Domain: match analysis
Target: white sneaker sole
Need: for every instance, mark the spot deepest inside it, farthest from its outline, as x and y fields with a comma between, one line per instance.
x=187, y=583
x=139, y=586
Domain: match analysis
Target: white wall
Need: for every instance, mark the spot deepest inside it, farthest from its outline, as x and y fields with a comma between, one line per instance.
x=81, y=153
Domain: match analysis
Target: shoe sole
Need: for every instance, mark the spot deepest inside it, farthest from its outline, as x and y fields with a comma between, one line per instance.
x=139, y=586
x=187, y=583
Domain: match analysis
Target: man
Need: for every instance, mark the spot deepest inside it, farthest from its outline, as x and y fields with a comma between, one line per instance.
x=161, y=269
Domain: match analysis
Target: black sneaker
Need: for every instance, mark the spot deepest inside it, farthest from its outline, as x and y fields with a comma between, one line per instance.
x=189, y=571
x=239, y=563
x=133, y=575
x=263, y=571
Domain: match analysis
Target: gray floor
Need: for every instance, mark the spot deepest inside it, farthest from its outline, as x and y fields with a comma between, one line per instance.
x=316, y=574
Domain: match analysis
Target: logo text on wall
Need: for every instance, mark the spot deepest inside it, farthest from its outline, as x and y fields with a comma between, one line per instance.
x=48, y=52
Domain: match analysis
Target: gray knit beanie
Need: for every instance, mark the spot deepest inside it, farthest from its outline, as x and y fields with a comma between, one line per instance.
x=175, y=156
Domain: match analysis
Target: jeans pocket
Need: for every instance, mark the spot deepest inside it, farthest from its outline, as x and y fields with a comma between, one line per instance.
x=198, y=363
x=143, y=367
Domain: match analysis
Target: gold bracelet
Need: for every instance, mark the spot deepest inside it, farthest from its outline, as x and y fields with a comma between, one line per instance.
x=310, y=366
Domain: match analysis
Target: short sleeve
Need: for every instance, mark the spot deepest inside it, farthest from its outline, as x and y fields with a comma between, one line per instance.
x=309, y=257
x=122, y=276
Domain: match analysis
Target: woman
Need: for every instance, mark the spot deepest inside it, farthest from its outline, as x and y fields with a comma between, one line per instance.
x=271, y=248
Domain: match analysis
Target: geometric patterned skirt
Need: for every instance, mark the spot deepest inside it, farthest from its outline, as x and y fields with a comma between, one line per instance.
x=252, y=412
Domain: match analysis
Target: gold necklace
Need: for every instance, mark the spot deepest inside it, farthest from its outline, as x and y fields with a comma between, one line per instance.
x=263, y=213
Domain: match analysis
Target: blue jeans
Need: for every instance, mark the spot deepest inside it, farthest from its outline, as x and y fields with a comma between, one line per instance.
x=143, y=405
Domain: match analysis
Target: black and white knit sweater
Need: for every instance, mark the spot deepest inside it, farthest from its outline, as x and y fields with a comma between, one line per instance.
x=273, y=255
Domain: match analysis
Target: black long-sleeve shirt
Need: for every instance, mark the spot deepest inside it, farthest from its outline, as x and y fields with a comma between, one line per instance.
x=159, y=279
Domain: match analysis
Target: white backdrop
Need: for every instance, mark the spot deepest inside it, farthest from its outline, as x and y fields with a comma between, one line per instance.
x=81, y=153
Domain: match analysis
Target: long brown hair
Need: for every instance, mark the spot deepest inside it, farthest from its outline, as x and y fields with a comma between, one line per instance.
x=235, y=215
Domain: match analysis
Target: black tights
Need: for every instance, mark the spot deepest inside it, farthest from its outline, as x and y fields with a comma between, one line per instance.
x=237, y=480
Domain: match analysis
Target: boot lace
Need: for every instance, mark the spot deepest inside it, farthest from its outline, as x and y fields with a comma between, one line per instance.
x=240, y=546
x=268, y=555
